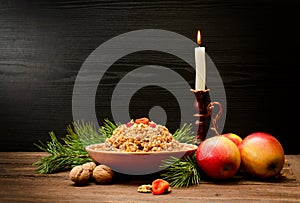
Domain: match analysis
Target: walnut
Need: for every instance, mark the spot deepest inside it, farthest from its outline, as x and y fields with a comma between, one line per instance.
x=102, y=174
x=79, y=175
x=90, y=166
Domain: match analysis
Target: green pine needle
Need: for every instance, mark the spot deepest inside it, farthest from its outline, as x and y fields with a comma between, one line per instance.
x=181, y=172
x=185, y=134
x=107, y=128
x=87, y=133
x=61, y=157
x=70, y=151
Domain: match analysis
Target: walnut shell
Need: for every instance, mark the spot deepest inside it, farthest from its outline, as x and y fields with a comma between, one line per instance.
x=79, y=175
x=90, y=166
x=102, y=174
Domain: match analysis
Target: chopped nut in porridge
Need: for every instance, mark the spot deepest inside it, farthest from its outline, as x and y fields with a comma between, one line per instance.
x=141, y=135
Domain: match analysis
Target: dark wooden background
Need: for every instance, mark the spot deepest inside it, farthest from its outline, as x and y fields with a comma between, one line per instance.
x=254, y=45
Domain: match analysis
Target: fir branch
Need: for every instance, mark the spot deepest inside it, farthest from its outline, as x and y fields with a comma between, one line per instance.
x=107, y=128
x=181, y=172
x=185, y=134
x=70, y=151
x=61, y=157
x=87, y=133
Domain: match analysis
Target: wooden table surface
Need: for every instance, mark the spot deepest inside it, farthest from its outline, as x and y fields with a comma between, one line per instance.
x=20, y=183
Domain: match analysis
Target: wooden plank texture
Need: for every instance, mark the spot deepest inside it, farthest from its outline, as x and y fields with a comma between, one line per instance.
x=19, y=183
x=44, y=43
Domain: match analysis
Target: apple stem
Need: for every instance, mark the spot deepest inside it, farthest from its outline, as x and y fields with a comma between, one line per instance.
x=215, y=119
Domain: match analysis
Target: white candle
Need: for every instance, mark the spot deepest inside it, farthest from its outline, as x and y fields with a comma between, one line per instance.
x=200, y=65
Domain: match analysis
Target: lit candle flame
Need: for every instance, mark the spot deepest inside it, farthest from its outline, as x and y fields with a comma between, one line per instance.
x=199, y=37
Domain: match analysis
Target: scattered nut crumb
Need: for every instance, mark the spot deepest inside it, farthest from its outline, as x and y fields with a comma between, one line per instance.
x=145, y=188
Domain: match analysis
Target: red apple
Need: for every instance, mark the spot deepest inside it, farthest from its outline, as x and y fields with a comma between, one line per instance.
x=234, y=138
x=262, y=155
x=218, y=157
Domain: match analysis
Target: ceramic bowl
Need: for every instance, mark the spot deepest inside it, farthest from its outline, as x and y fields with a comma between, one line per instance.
x=136, y=163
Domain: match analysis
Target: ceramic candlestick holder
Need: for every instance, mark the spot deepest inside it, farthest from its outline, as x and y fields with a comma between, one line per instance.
x=203, y=115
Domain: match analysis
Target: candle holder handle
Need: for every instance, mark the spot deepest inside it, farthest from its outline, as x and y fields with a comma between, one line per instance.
x=215, y=119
